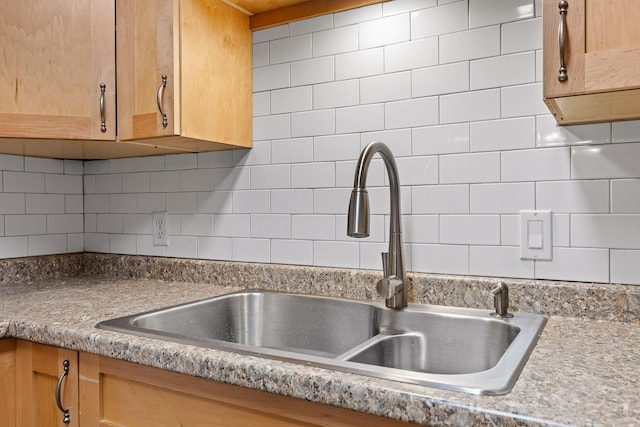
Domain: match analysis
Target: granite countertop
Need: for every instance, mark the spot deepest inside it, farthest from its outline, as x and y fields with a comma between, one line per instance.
x=582, y=372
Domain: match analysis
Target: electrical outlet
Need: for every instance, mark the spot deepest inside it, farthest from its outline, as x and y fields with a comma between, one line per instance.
x=159, y=229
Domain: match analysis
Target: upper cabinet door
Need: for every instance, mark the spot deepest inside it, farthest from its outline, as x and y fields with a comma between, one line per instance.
x=56, y=56
x=599, y=44
x=184, y=69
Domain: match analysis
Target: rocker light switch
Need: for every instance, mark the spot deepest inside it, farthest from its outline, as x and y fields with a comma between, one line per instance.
x=535, y=235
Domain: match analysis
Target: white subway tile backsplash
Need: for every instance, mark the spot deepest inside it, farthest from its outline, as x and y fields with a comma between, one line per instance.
x=181, y=161
x=446, y=139
x=261, y=104
x=122, y=165
x=45, y=203
x=144, y=246
x=109, y=223
x=232, y=225
x=370, y=255
x=121, y=244
x=109, y=183
x=196, y=180
x=470, y=168
x=363, y=118
x=501, y=261
x=271, y=77
x=335, y=41
x=272, y=127
x=510, y=230
x=506, y=70
x=506, y=134
x=336, y=94
x=489, y=12
x=295, y=201
x=196, y=225
x=182, y=202
x=411, y=113
x=251, y=201
x=12, y=203
x=182, y=247
x=338, y=254
x=148, y=203
x=310, y=25
x=312, y=71
x=291, y=100
x=345, y=173
x=605, y=231
x=313, y=123
x=398, y=140
x=411, y=55
x=271, y=226
x=439, y=20
x=23, y=182
x=290, y=49
x=93, y=203
x=524, y=100
x=25, y=225
x=470, y=106
x=471, y=44
x=360, y=14
x=418, y=170
x=401, y=6
x=313, y=175
x=272, y=33
x=577, y=264
x=331, y=200
x=421, y=229
x=297, y=252
x=624, y=267
x=136, y=224
x=75, y=243
x=387, y=87
x=440, y=80
x=362, y=63
x=46, y=245
x=221, y=159
x=11, y=163
x=272, y=176
x=573, y=196
x=147, y=164
x=521, y=36
x=605, y=161
x=74, y=203
x=625, y=196
x=443, y=259
x=550, y=134
x=36, y=164
x=536, y=165
x=628, y=131
x=238, y=178
x=440, y=199
x=136, y=182
x=502, y=198
x=470, y=229
x=384, y=31
x=313, y=227
x=218, y=248
x=260, y=57
x=336, y=147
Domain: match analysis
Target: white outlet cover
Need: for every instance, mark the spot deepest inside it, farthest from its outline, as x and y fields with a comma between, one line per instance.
x=160, y=229
x=536, y=235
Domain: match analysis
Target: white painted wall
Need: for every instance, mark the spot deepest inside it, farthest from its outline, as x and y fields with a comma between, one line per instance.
x=454, y=88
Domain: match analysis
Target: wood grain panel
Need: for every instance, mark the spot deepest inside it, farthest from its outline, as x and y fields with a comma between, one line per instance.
x=8, y=382
x=612, y=25
x=596, y=108
x=575, y=49
x=296, y=11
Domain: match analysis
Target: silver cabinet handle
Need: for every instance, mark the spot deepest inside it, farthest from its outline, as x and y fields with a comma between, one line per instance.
x=65, y=412
x=562, y=38
x=160, y=92
x=103, y=124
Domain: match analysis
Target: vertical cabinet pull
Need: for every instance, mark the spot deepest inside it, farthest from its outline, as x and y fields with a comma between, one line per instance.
x=103, y=124
x=160, y=92
x=65, y=412
x=563, y=5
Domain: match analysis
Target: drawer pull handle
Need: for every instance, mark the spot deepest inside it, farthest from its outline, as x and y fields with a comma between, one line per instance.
x=160, y=92
x=103, y=124
x=65, y=412
x=562, y=38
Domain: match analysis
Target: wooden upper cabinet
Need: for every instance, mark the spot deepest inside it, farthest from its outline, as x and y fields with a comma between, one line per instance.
x=602, y=56
x=203, y=48
x=56, y=54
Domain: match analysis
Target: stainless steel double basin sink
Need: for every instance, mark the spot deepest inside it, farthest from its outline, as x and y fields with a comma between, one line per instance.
x=452, y=348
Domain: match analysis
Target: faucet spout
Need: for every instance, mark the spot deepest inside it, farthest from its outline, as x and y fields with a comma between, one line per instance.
x=393, y=287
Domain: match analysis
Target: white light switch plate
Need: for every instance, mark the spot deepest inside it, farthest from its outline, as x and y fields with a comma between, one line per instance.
x=535, y=235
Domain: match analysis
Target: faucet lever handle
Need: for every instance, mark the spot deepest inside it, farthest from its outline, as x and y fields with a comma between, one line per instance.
x=385, y=263
x=388, y=287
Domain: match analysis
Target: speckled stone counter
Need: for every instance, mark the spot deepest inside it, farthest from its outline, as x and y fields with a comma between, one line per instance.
x=583, y=371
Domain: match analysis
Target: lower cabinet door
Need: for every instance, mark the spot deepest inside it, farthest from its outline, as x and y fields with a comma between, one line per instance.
x=46, y=386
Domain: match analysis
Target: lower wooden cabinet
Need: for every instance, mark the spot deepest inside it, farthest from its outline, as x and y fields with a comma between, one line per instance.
x=100, y=391
x=45, y=377
x=8, y=382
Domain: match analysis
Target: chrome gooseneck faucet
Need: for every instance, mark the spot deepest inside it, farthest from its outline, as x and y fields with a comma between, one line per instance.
x=393, y=287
